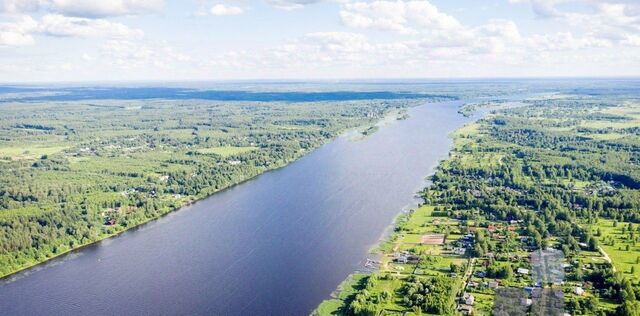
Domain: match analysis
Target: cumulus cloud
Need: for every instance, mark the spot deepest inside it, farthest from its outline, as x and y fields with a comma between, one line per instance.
x=69, y=18
x=402, y=16
x=622, y=13
x=222, y=9
x=19, y=6
x=83, y=8
x=427, y=38
x=18, y=32
x=59, y=25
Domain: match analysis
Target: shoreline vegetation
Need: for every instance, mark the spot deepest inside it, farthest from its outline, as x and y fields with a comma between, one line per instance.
x=552, y=178
x=222, y=145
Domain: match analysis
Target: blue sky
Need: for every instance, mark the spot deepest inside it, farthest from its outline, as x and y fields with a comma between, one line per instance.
x=83, y=40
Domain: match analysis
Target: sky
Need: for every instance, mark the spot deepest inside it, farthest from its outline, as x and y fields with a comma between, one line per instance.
x=167, y=40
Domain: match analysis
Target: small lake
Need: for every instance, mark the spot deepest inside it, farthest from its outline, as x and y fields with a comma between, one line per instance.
x=278, y=244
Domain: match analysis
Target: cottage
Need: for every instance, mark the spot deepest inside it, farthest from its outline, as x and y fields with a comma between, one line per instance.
x=493, y=284
x=466, y=309
x=522, y=271
x=468, y=299
x=578, y=291
x=460, y=251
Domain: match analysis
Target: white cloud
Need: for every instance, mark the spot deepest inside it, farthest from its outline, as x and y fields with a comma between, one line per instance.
x=59, y=25
x=20, y=6
x=18, y=32
x=401, y=16
x=222, y=9
x=83, y=8
x=620, y=13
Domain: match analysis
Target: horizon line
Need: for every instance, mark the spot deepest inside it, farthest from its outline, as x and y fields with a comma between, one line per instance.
x=315, y=80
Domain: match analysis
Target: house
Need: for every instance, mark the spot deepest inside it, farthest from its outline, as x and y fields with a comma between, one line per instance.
x=472, y=284
x=468, y=299
x=578, y=291
x=465, y=309
x=460, y=251
x=522, y=271
x=493, y=284
x=413, y=259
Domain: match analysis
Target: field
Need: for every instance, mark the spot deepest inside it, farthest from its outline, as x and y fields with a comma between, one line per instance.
x=29, y=151
x=614, y=239
x=225, y=151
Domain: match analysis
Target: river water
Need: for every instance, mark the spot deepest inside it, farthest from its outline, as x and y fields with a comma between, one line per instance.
x=278, y=244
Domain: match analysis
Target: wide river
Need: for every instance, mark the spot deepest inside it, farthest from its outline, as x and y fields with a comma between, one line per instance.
x=278, y=244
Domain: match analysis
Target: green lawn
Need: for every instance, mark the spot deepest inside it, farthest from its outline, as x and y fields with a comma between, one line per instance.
x=226, y=150
x=30, y=151
x=622, y=259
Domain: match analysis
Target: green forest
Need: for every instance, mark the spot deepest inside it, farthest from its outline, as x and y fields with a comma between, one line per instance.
x=75, y=172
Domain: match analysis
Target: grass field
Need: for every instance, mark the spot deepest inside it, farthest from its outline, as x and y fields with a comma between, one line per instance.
x=226, y=151
x=29, y=151
x=622, y=259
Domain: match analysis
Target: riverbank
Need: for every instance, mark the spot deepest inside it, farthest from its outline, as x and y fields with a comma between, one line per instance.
x=523, y=208
x=391, y=114
x=256, y=237
x=395, y=249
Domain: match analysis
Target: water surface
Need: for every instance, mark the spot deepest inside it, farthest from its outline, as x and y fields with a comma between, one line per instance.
x=278, y=244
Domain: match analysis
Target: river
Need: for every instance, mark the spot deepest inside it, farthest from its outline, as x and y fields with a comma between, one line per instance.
x=278, y=244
